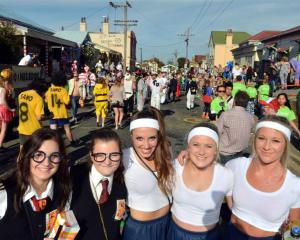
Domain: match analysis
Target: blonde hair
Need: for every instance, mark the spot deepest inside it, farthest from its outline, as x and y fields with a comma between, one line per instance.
x=283, y=121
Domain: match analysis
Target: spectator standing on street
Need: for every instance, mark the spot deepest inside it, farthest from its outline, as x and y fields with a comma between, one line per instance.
x=6, y=113
x=218, y=104
x=31, y=109
x=229, y=98
x=201, y=185
x=99, y=192
x=142, y=91
x=101, y=93
x=284, y=70
x=263, y=93
x=116, y=96
x=128, y=95
x=57, y=98
x=156, y=88
x=296, y=68
x=239, y=85
x=235, y=127
x=252, y=93
x=74, y=68
x=286, y=111
x=39, y=185
x=172, y=89
x=207, y=96
x=191, y=89
x=77, y=91
x=236, y=71
x=148, y=159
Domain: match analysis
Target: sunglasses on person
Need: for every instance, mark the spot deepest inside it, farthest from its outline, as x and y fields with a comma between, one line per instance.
x=113, y=156
x=221, y=90
x=40, y=156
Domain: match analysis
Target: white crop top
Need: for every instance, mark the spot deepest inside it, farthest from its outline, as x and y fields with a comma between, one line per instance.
x=263, y=210
x=201, y=208
x=142, y=186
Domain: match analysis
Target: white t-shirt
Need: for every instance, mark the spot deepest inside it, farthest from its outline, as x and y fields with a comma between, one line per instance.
x=236, y=72
x=201, y=208
x=25, y=60
x=263, y=210
x=143, y=191
x=156, y=86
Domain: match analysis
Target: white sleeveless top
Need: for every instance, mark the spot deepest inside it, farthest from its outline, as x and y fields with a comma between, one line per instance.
x=142, y=186
x=201, y=208
x=263, y=210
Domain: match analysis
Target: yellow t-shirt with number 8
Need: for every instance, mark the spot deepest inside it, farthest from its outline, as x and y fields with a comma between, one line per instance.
x=31, y=108
x=57, y=98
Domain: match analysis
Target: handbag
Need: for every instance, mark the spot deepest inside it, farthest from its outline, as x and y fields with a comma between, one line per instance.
x=206, y=99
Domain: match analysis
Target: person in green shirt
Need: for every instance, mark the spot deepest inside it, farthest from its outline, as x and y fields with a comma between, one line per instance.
x=238, y=85
x=264, y=89
x=218, y=104
x=286, y=111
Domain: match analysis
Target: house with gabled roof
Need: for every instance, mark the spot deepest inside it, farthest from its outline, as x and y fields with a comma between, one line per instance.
x=249, y=51
x=220, y=45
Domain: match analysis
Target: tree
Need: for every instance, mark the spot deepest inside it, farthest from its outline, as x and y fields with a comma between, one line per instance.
x=160, y=63
x=181, y=62
x=10, y=43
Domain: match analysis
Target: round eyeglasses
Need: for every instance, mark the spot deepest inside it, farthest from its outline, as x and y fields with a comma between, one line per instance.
x=100, y=157
x=40, y=156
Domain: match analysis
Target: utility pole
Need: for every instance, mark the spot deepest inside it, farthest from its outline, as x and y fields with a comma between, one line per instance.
x=187, y=36
x=175, y=53
x=125, y=23
x=141, y=56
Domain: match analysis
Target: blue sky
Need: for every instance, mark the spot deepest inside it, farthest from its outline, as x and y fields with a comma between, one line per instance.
x=161, y=21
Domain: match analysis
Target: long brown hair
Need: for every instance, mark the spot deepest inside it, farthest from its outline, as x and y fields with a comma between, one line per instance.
x=105, y=135
x=162, y=155
x=61, y=179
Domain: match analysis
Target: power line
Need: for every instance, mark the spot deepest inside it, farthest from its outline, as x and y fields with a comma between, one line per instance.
x=88, y=16
x=218, y=15
x=158, y=46
x=199, y=14
x=204, y=13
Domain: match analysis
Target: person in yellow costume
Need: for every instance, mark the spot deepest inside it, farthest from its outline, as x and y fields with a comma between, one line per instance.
x=31, y=109
x=101, y=93
x=57, y=98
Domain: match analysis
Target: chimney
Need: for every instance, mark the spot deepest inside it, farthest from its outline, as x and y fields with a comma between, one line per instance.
x=229, y=37
x=105, y=25
x=83, y=25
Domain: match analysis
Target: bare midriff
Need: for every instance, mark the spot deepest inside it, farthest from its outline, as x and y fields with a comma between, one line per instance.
x=148, y=216
x=249, y=229
x=193, y=228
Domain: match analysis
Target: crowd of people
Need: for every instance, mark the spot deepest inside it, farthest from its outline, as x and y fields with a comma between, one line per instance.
x=213, y=190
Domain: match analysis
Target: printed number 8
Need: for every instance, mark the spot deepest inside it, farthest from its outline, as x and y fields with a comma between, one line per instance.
x=23, y=112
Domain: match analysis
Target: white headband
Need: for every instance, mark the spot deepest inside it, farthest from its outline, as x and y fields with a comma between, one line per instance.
x=203, y=131
x=274, y=125
x=144, y=123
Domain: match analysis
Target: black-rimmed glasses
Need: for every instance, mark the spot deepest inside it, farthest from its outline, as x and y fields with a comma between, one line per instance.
x=113, y=156
x=40, y=156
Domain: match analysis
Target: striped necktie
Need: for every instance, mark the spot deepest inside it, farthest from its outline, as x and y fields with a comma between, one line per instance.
x=38, y=205
x=104, y=194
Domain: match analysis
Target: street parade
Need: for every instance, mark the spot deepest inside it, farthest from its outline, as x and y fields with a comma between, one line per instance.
x=108, y=133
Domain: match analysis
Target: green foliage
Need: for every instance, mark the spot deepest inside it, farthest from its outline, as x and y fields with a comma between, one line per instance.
x=181, y=62
x=10, y=43
x=160, y=63
x=90, y=54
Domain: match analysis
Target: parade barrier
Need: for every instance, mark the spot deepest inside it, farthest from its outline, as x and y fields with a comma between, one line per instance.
x=22, y=75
